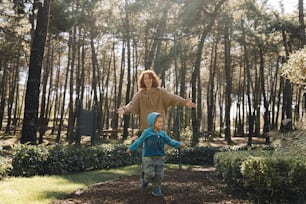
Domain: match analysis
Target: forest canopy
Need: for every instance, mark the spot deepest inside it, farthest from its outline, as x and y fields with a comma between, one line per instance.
x=227, y=55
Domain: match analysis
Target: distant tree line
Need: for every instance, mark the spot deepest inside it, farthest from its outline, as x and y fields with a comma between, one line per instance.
x=225, y=55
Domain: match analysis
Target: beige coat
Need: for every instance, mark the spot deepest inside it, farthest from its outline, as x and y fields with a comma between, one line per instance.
x=157, y=100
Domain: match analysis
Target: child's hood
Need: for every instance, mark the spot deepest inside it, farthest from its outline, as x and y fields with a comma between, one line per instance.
x=151, y=119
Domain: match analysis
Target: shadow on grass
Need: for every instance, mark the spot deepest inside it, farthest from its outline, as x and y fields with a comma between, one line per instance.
x=45, y=189
x=92, y=177
x=87, y=179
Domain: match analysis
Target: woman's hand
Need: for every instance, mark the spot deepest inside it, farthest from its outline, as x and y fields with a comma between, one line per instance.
x=120, y=111
x=190, y=104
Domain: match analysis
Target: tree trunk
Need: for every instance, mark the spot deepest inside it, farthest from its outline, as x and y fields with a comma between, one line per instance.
x=12, y=92
x=106, y=103
x=196, y=120
x=211, y=88
x=273, y=96
x=266, y=127
x=30, y=119
x=240, y=104
x=287, y=89
x=251, y=115
x=17, y=108
x=71, y=105
x=94, y=69
x=57, y=96
x=194, y=78
x=43, y=120
x=128, y=86
x=62, y=112
x=182, y=90
x=116, y=93
x=228, y=87
x=257, y=97
x=302, y=25
x=4, y=83
x=122, y=67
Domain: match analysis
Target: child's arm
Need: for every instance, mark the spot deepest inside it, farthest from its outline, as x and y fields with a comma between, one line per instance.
x=173, y=143
x=136, y=144
x=128, y=151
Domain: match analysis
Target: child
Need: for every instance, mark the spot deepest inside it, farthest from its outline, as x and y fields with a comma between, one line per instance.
x=154, y=139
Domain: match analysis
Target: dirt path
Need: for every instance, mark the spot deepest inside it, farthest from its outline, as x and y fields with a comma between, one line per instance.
x=187, y=186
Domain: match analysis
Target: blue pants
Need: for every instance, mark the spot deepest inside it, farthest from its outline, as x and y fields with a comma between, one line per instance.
x=153, y=168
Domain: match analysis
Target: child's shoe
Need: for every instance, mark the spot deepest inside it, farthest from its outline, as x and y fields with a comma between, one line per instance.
x=144, y=184
x=157, y=192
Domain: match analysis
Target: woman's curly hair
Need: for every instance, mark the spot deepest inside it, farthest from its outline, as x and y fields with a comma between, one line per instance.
x=152, y=75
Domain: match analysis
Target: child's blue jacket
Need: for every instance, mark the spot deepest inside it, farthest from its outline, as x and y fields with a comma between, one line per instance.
x=153, y=141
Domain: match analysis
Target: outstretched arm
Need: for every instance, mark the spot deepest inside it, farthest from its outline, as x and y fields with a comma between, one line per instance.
x=173, y=143
x=131, y=107
x=121, y=111
x=190, y=104
x=137, y=143
x=170, y=99
x=128, y=151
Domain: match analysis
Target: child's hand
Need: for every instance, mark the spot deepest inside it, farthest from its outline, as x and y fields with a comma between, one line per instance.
x=182, y=145
x=128, y=151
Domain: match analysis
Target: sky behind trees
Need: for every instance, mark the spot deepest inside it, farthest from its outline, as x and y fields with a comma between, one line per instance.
x=289, y=5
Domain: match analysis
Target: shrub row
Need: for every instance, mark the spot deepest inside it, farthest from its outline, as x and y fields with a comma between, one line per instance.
x=4, y=167
x=192, y=156
x=264, y=176
x=56, y=160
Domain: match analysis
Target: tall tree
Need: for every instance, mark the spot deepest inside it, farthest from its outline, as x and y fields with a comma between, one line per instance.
x=30, y=119
x=43, y=119
x=211, y=95
x=128, y=87
x=195, y=82
x=228, y=78
x=301, y=21
x=251, y=114
x=287, y=88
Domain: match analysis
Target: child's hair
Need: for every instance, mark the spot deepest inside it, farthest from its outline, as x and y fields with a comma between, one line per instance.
x=158, y=116
x=152, y=75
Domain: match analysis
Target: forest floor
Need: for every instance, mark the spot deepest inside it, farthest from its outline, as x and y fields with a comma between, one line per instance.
x=185, y=186
x=193, y=185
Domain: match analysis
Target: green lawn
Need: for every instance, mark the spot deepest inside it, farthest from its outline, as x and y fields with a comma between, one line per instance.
x=44, y=189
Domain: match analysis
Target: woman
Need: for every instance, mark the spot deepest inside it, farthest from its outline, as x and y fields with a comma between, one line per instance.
x=152, y=98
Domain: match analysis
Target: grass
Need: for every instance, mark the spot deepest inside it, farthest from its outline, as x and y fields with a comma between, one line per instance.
x=45, y=189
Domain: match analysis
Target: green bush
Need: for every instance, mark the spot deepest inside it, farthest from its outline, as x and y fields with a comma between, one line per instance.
x=57, y=160
x=4, y=168
x=31, y=160
x=264, y=176
x=227, y=166
x=192, y=156
x=275, y=178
